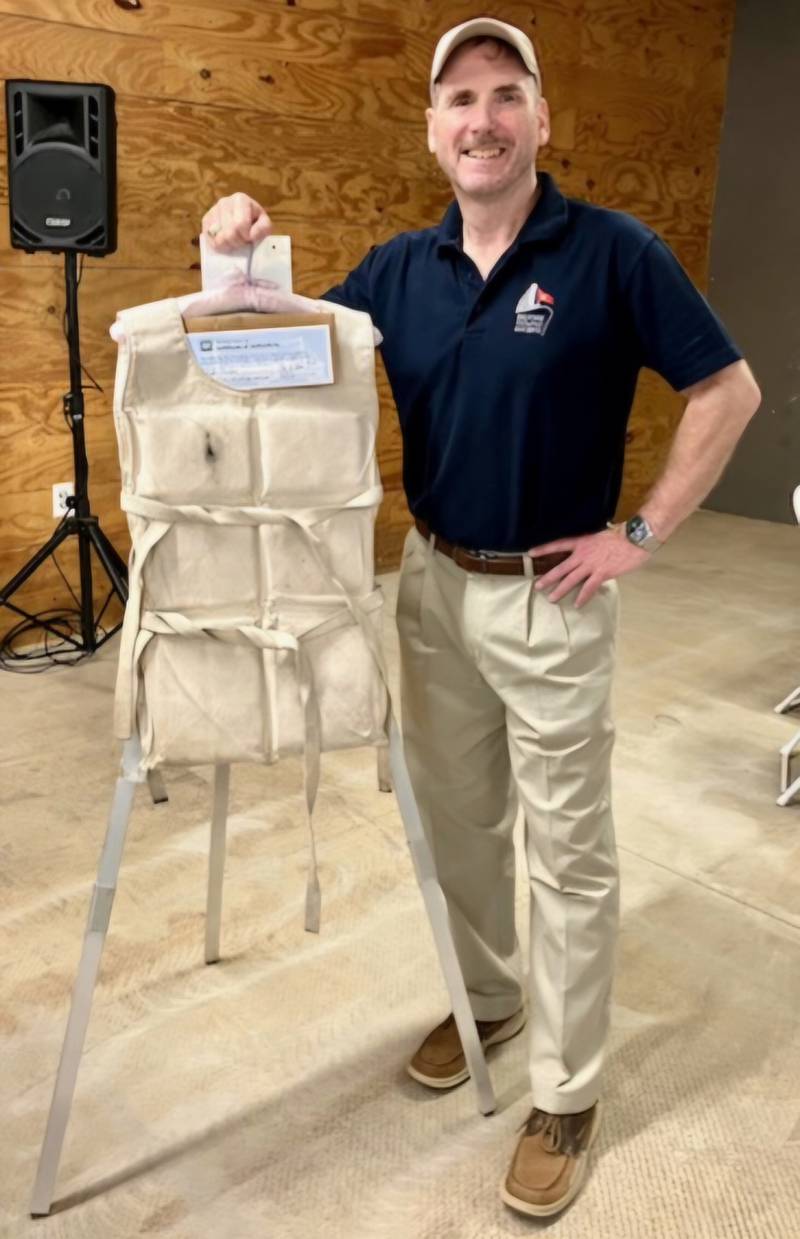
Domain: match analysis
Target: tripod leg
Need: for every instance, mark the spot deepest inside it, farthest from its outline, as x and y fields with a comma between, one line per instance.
x=83, y=990
x=384, y=770
x=113, y=554
x=88, y=636
x=52, y=544
x=216, y=861
x=436, y=908
x=113, y=563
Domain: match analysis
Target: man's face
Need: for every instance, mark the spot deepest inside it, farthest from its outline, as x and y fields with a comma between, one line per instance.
x=487, y=122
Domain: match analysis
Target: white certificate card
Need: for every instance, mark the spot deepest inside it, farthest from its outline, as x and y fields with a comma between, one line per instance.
x=266, y=356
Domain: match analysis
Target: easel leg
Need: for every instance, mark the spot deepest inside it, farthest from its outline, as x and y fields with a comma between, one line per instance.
x=83, y=990
x=436, y=908
x=216, y=861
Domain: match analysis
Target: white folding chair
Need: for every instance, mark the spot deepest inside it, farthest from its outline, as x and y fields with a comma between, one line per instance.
x=789, y=787
x=793, y=700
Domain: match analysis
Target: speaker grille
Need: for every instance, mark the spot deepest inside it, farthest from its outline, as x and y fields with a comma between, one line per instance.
x=19, y=139
x=94, y=128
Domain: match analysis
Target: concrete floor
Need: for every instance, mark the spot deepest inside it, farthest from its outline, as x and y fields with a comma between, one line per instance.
x=265, y=1097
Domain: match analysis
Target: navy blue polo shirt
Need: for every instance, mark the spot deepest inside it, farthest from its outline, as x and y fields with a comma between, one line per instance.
x=514, y=393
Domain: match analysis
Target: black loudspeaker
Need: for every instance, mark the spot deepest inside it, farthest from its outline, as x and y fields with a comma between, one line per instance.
x=62, y=166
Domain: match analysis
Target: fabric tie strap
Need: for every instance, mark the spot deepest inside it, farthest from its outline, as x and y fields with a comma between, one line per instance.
x=140, y=626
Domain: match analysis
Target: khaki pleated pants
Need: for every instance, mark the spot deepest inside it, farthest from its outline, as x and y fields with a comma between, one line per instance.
x=506, y=702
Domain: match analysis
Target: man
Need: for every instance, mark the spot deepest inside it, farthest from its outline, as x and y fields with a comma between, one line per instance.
x=513, y=336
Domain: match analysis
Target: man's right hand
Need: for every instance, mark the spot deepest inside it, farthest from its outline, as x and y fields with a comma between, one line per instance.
x=235, y=221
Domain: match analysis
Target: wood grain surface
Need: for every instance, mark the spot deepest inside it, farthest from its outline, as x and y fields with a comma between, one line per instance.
x=315, y=108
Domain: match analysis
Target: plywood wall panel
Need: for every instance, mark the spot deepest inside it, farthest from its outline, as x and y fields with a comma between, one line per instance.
x=346, y=33
x=293, y=71
x=664, y=41
x=35, y=442
x=316, y=109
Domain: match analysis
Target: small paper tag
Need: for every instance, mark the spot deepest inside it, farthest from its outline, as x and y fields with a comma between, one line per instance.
x=270, y=259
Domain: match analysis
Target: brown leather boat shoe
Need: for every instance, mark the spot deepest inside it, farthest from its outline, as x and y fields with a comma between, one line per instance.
x=440, y=1063
x=551, y=1161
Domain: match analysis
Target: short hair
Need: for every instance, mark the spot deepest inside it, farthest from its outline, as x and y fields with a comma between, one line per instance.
x=496, y=48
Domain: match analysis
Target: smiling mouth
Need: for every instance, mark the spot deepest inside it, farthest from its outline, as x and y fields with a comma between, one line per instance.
x=485, y=154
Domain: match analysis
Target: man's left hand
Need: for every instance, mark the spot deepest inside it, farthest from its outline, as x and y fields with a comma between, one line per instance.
x=594, y=558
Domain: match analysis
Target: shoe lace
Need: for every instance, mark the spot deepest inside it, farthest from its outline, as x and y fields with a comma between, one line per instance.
x=483, y=1026
x=560, y=1133
x=551, y=1127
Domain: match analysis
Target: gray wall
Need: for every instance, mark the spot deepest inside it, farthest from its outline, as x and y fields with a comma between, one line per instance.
x=755, y=251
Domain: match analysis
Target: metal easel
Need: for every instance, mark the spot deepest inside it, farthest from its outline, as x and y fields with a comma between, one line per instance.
x=391, y=766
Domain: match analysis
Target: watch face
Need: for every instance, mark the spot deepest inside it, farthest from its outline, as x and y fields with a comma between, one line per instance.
x=636, y=529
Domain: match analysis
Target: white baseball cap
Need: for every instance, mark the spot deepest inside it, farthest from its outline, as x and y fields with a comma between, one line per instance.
x=485, y=26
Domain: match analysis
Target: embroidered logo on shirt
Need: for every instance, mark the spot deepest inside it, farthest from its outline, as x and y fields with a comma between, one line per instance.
x=534, y=311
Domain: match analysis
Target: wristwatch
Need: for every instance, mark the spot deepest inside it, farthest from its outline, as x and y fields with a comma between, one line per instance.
x=638, y=531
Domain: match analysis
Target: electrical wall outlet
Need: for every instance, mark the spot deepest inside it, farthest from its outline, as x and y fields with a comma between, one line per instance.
x=61, y=493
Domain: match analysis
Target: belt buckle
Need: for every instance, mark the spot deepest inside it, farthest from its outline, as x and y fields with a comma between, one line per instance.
x=487, y=557
x=484, y=557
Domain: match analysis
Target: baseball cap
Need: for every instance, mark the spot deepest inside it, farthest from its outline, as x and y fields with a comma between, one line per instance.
x=485, y=26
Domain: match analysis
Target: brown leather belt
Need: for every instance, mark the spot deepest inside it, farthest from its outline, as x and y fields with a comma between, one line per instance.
x=488, y=561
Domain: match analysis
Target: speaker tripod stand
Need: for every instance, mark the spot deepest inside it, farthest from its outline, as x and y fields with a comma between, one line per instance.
x=79, y=522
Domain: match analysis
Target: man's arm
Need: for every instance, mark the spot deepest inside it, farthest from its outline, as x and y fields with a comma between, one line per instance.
x=718, y=409
x=714, y=420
